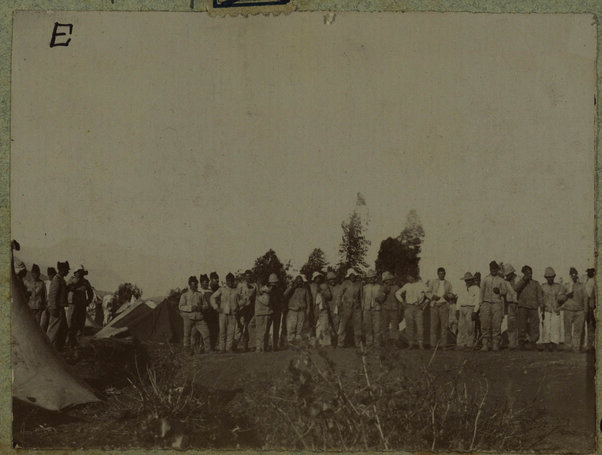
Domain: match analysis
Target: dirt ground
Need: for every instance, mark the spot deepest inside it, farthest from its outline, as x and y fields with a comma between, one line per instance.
x=561, y=383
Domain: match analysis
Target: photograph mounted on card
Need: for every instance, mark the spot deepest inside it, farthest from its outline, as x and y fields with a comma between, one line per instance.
x=310, y=231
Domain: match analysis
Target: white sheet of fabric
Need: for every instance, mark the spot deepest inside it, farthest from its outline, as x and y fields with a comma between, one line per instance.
x=551, y=328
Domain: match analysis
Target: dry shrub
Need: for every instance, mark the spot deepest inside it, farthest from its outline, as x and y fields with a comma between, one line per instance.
x=386, y=403
x=173, y=410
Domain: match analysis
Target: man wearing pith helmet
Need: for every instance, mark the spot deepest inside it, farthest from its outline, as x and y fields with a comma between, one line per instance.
x=351, y=308
x=552, y=300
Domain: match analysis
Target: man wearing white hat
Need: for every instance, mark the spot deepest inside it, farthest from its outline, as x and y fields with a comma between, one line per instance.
x=390, y=308
x=552, y=299
x=371, y=309
x=413, y=296
x=467, y=307
x=351, y=294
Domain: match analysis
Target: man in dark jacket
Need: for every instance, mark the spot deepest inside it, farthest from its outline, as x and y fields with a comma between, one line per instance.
x=81, y=296
x=57, y=300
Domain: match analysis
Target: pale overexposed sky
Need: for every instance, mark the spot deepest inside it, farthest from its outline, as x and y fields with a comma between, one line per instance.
x=206, y=141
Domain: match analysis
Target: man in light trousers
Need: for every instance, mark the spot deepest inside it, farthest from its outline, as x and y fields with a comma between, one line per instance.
x=467, y=307
x=371, y=309
x=493, y=288
x=552, y=299
x=440, y=294
x=413, y=296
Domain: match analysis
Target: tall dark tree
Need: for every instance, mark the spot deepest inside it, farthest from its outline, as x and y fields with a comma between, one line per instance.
x=267, y=264
x=411, y=239
x=401, y=255
x=315, y=263
x=354, y=244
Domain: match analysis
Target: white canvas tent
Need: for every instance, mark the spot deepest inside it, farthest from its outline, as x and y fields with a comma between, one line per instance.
x=40, y=375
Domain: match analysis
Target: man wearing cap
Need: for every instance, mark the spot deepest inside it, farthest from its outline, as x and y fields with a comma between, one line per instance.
x=552, y=299
x=226, y=301
x=350, y=310
x=467, y=306
x=81, y=296
x=37, y=294
x=322, y=312
x=413, y=296
x=299, y=300
x=530, y=303
x=439, y=292
x=390, y=308
x=493, y=288
x=590, y=317
x=193, y=306
x=248, y=292
x=371, y=309
x=57, y=300
x=574, y=311
x=511, y=299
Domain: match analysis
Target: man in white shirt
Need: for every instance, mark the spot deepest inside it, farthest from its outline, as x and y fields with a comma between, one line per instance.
x=440, y=294
x=413, y=295
x=467, y=307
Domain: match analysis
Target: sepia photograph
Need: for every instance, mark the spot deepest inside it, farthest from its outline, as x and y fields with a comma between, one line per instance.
x=321, y=231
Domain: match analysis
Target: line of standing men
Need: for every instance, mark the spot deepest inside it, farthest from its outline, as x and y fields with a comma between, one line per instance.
x=353, y=310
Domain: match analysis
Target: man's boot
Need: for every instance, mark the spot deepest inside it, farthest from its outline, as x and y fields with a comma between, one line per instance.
x=485, y=347
x=421, y=345
x=496, y=346
x=410, y=345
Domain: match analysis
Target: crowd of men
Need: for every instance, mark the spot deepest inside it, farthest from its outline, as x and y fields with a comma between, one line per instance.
x=49, y=299
x=360, y=308
x=369, y=308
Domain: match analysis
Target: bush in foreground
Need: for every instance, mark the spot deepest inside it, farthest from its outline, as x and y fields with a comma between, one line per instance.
x=388, y=403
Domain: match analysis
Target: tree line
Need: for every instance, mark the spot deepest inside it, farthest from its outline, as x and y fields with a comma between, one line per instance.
x=398, y=254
